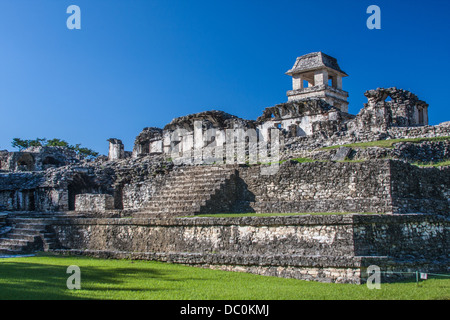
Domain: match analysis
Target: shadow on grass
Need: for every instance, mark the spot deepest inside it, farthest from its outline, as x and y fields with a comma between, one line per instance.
x=30, y=281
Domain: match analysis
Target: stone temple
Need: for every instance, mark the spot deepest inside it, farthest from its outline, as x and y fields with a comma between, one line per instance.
x=354, y=199
x=318, y=75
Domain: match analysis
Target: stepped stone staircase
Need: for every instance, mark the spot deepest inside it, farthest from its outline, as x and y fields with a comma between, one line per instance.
x=187, y=191
x=193, y=190
x=27, y=234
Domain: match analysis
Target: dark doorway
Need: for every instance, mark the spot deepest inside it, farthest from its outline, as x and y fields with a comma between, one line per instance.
x=80, y=184
x=31, y=201
x=421, y=116
x=51, y=161
x=25, y=162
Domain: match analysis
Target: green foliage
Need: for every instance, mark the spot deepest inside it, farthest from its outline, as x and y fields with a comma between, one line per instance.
x=303, y=160
x=44, y=277
x=57, y=143
x=43, y=142
x=19, y=143
x=85, y=152
x=432, y=164
x=23, y=144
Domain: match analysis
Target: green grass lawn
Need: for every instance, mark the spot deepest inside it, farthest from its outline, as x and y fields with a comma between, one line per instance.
x=44, y=277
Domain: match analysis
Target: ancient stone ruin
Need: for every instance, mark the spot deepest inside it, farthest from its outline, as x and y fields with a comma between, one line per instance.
x=377, y=206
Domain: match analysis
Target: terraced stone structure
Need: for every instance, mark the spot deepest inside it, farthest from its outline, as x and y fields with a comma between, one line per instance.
x=351, y=183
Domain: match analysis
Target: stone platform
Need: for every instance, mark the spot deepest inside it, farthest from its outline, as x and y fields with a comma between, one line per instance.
x=328, y=248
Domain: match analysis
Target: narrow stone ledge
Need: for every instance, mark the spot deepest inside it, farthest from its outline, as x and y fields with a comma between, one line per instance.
x=343, y=269
x=231, y=259
x=338, y=219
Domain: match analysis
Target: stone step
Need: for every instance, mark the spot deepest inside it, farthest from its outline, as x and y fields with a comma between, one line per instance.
x=182, y=197
x=24, y=239
x=30, y=225
x=193, y=170
x=195, y=181
x=25, y=234
x=9, y=252
x=203, y=168
x=173, y=203
x=48, y=235
x=176, y=202
x=14, y=247
x=186, y=190
x=25, y=231
x=8, y=242
x=31, y=219
x=50, y=244
x=183, y=209
x=144, y=214
x=169, y=210
x=195, y=190
x=185, y=194
x=202, y=171
x=2, y=220
x=17, y=245
x=199, y=175
x=196, y=178
x=11, y=235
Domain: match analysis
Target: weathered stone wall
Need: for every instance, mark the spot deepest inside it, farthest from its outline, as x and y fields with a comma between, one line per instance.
x=441, y=130
x=41, y=199
x=317, y=187
x=324, y=248
x=51, y=190
x=408, y=237
x=330, y=235
x=17, y=200
x=94, y=202
x=423, y=152
x=371, y=186
x=426, y=151
x=425, y=190
x=37, y=158
x=4, y=160
x=297, y=146
x=116, y=149
x=375, y=186
x=136, y=194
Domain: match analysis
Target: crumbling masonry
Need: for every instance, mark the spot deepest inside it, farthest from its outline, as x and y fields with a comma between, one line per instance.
x=382, y=209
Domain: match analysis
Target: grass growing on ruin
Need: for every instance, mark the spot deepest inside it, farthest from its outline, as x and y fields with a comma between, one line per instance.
x=433, y=164
x=44, y=277
x=301, y=160
x=386, y=143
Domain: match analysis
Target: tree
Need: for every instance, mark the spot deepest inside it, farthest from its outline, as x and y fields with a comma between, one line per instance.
x=38, y=142
x=84, y=152
x=23, y=144
x=43, y=142
x=20, y=144
x=57, y=143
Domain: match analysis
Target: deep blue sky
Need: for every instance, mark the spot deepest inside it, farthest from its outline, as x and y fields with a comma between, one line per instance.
x=141, y=63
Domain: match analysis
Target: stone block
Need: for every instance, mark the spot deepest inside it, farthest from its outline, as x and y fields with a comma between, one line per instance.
x=341, y=154
x=94, y=202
